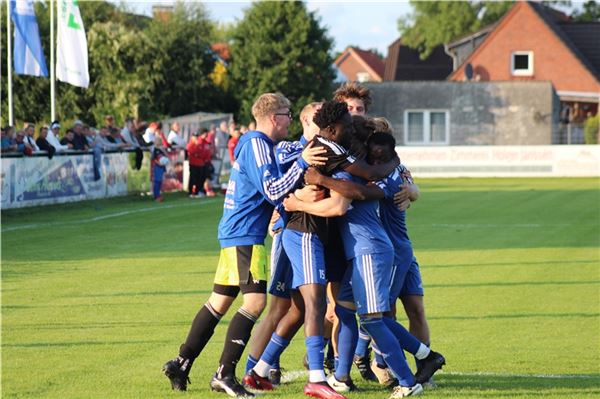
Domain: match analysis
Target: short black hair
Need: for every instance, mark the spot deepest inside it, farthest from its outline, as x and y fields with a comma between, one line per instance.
x=384, y=139
x=329, y=113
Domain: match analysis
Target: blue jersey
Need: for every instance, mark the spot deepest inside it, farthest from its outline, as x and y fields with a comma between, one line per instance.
x=254, y=188
x=361, y=228
x=286, y=153
x=393, y=219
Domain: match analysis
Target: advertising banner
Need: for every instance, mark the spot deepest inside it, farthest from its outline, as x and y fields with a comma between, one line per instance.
x=38, y=180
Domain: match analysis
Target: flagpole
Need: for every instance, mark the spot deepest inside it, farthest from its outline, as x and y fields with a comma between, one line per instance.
x=52, y=67
x=9, y=66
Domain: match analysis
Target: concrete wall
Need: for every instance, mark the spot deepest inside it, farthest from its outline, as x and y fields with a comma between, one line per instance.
x=480, y=113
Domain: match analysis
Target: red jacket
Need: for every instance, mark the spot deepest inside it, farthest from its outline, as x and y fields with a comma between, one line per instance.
x=199, y=152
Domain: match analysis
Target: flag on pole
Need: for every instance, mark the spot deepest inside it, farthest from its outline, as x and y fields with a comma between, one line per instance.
x=28, y=54
x=72, y=53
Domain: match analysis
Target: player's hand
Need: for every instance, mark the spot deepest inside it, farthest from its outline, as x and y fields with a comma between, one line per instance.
x=312, y=176
x=314, y=155
x=404, y=205
x=291, y=203
x=310, y=193
x=274, y=218
x=401, y=196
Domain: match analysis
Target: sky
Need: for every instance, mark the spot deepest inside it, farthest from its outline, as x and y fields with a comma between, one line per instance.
x=371, y=24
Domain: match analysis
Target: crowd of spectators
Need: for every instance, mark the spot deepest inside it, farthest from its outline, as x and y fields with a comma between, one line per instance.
x=205, y=149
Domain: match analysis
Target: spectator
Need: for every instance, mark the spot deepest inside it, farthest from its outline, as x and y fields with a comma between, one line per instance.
x=159, y=161
x=42, y=142
x=174, y=138
x=128, y=133
x=22, y=146
x=79, y=140
x=199, y=157
x=235, y=137
x=221, y=137
x=69, y=139
x=159, y=132
x=53, y=138
x=150, y=133
x=210, y=169
x=8, y=142
x=107, y=142
x=109, y=121
x=29, y=130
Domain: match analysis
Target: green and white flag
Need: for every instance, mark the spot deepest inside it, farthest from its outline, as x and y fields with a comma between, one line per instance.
x=72, y=57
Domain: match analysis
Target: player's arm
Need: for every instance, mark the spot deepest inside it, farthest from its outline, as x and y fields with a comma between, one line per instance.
x=275, y=186
x=348, y=189
x=362, y=169
x=335, y=205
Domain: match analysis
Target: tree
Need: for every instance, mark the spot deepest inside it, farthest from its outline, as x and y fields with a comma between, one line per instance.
x=590, y=13
x=280, y=47
x=185, y=62
x=437, y=22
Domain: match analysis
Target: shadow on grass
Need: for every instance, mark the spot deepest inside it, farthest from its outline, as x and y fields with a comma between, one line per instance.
x=516, y=263
x=66, y=344
x=516, y=316
x=517, y=385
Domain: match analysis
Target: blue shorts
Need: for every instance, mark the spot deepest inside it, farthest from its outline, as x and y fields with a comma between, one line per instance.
x=402, y=263
x=413, y=285
x=281, y=269
x=307, y=255
x=367, y=283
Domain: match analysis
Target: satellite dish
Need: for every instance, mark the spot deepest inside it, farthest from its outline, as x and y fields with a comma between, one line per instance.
x=469, y=71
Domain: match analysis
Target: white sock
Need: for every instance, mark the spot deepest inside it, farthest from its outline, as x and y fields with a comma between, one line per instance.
x=262, y=368
x=423, y=352
x=316, y=376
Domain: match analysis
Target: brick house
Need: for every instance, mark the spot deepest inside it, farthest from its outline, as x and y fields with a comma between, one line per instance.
x=533, y=42
x=360, y=65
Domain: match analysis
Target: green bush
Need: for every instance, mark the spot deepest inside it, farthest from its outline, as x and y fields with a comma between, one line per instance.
x=590, y=130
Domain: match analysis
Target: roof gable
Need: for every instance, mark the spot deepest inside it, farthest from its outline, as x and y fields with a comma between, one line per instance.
x=549, y=23
x=368, y=60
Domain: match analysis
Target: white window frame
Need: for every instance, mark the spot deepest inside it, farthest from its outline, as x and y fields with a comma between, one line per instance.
x=427, y=127
x=363, y=77
x=521, y=72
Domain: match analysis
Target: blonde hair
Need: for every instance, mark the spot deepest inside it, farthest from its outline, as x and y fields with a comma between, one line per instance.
x=309, y=109
x=266, y=104
x=381, y=124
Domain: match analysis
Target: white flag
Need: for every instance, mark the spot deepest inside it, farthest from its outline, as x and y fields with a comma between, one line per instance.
x=72, y=57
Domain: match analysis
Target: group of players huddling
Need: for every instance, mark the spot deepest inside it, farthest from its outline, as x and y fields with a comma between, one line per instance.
x=335, y=204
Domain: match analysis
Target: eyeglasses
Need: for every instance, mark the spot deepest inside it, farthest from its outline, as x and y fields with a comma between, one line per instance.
x=288, y=114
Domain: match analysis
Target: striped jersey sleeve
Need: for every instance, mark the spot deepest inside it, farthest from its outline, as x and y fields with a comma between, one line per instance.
x=275, y=185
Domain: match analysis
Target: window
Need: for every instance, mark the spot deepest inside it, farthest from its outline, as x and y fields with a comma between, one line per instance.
x=521, y=63
x=431, y=127
x=363, y=77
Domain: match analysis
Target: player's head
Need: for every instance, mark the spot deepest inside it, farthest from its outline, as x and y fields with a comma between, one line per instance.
x=381, y=148
x=310, y=129
x=380, y=124
x=334, y=122
x=272, y=114
x=356, y=96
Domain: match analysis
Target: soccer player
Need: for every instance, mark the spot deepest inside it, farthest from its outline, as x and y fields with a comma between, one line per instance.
x=365, y=289
x=255, y=186
x=286, y=154
x=381, y=147
x=358, y=99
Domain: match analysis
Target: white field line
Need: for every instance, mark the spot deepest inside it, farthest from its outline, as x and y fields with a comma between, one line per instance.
x=292, y=375
x=103, y=217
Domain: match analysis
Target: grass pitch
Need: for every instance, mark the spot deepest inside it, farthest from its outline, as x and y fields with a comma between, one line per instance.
x=96, y=296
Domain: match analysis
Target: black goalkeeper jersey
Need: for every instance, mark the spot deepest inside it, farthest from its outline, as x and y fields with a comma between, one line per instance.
x=337, y=159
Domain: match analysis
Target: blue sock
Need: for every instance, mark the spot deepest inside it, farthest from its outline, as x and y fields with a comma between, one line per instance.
x=363, y=343
x=390, y=349
x=314, y=350
x=407, y=341
x=378, y=356
x=276, y=364
x=347, y=338
x=274, y=349
x=336, y=362
x=250, y=362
